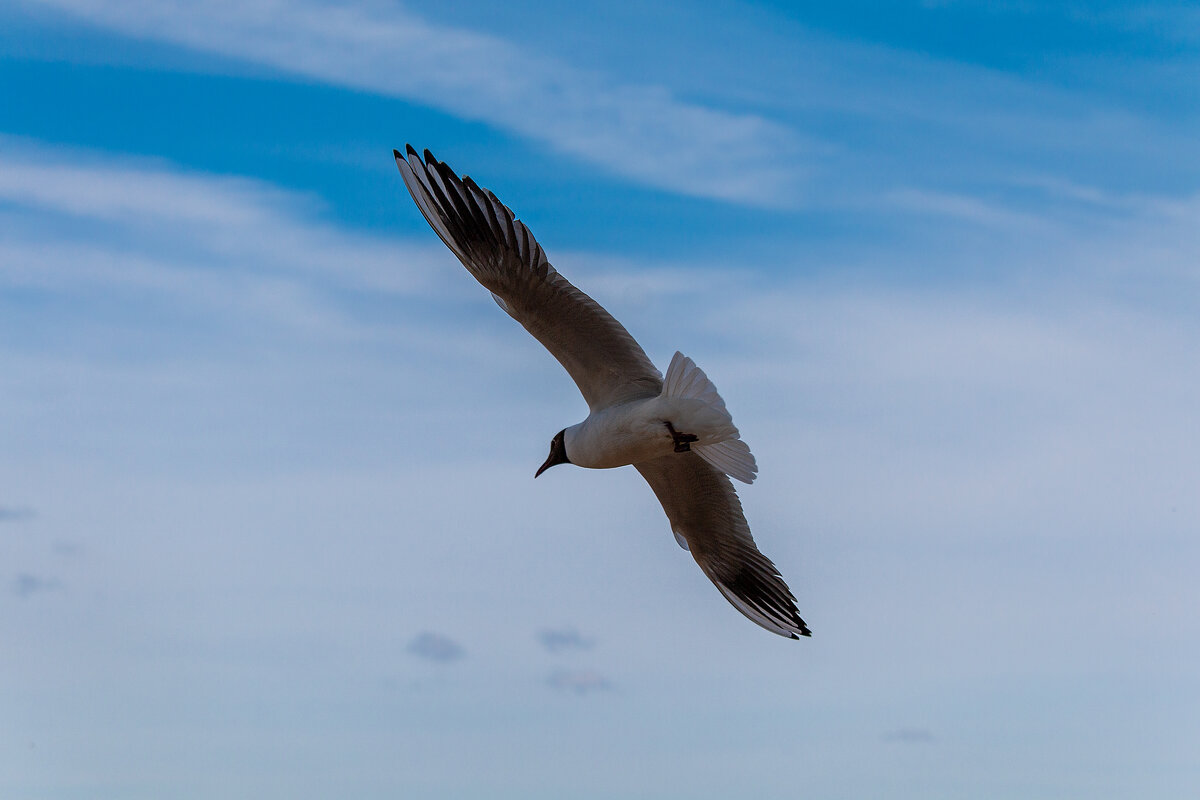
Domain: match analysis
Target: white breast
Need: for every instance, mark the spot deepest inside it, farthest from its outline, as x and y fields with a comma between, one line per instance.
x=619, y=435
x=637, y=431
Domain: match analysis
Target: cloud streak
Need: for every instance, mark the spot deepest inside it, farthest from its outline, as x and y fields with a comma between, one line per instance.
x=436, y=647
x=233, y=247
x=148, y=210
x=578, y=681
x=25, y=585
x=559, y=640
x=639, y=131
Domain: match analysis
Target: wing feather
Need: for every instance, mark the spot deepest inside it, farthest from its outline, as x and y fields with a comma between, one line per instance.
x=704, y=509
x=606, y=363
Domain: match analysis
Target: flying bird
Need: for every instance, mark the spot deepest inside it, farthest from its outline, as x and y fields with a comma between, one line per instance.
x=675, y=430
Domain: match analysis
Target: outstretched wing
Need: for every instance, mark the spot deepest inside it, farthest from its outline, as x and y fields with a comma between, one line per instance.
x=605, y=362
x=705, y=512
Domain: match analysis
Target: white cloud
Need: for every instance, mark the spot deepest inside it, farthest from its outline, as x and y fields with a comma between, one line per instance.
x=965, y=208
x=235, y=259
x=211, y=227
x=641, y=132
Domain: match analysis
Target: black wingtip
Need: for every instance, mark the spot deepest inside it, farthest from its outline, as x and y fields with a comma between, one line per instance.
x=429, y=159
x=396, y=154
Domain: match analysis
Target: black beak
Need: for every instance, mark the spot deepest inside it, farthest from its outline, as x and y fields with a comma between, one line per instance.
x=558, y=453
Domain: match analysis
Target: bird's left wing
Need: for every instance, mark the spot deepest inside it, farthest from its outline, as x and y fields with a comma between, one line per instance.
x=706, y=516
x=606, y=363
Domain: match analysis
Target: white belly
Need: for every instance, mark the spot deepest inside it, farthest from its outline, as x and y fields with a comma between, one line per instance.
x=637, y=431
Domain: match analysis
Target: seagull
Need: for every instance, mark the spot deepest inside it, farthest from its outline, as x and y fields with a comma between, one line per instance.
x=675, y=431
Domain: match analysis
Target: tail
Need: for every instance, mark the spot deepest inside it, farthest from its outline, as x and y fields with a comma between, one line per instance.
x=730, y=454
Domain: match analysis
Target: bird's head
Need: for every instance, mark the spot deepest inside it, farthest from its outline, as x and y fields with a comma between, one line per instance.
x=558, y=453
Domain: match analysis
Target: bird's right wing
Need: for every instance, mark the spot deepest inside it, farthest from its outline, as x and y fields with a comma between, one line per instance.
x=705, y=512
x=605, y=362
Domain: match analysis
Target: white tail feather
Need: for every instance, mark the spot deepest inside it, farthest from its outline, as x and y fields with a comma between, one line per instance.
x=685, y=379
x=732, y=456
x=727, y=453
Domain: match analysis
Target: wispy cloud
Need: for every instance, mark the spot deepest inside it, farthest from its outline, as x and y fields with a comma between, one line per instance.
x=965, y=208
x=15, y=514
x=147, y=209
x=436, y=647
x=558, y=640
x=578, y=681
x=236, y=248
x=639, y=131
x=66, y=549
x=25, y=585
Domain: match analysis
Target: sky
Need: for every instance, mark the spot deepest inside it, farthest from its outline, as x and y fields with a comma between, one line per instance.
x=268, y=523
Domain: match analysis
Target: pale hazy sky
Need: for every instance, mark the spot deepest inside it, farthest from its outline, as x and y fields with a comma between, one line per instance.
x=268, y=526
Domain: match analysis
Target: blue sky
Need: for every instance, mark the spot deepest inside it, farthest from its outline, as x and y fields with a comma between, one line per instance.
x=267, y=518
